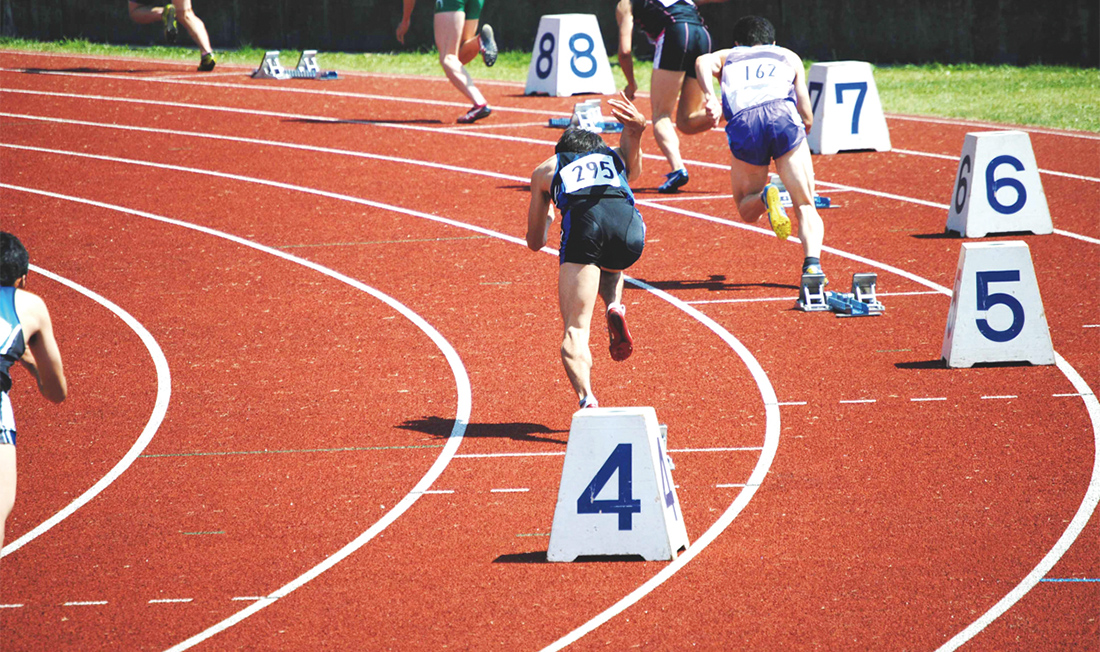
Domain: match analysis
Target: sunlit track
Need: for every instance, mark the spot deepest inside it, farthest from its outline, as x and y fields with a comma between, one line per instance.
x=1068, y=538
x=164, y=395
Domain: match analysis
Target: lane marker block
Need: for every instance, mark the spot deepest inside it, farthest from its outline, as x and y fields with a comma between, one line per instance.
x=616, y=495
x=996, y=312
x=997, y=187
x=847, y=110
x=569, y=57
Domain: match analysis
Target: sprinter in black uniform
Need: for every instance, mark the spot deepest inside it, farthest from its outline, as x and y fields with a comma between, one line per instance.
x=679, y=35
x=602, y=234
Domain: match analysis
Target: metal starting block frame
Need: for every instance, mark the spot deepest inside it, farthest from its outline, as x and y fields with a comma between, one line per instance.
x=860, y=302
x=307, y=68
x=588, y=115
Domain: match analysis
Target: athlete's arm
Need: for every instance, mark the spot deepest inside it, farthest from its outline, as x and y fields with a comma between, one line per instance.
x=630, y=143
x=42, y=357
x=540, y=214
x=406, y=17
x=624, y=16
x=801, y=94
x=707, y=67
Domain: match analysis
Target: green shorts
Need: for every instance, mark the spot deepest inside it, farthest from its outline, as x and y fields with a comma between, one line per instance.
x=471, y=7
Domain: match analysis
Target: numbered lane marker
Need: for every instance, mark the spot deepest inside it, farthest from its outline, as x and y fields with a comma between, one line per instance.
x=997, y=188
x=996, y=312
x=616, y=495
x=569, y=57
x=847, y=110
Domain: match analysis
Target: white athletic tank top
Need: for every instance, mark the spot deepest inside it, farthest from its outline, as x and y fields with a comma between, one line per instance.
x=754, y=75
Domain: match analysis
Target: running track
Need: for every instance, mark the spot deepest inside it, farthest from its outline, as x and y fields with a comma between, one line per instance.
x=316, y=398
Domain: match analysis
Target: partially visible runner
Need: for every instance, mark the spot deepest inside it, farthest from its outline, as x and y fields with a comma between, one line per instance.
x=768, y=114
x=458, y=40
x=677, y=30
x=26, y=336
x=602, y=233
x=144, y=12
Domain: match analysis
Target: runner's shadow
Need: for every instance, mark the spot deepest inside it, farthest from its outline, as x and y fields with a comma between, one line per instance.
x=716, y=283
x=539, y=557
x=415, y=121
x=517, y=431
x=95, y=71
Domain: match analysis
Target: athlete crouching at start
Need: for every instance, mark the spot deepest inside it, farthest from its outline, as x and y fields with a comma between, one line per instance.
x=602, y=233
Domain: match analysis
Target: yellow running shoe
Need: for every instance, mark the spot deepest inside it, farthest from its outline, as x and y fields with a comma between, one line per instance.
x=777, y=217
x=171, y=28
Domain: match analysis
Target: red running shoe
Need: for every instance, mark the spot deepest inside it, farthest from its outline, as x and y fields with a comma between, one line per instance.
x=622, y=345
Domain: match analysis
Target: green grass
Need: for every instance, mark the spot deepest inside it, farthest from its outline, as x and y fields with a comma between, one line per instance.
x=1047, y=96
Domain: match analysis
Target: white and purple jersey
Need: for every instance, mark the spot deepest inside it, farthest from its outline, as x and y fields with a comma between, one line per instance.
x=752, y=76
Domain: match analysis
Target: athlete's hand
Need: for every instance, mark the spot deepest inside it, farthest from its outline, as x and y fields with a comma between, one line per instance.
x=630, y=90
x=714, y=110
x=402, y=29
x=623, y=110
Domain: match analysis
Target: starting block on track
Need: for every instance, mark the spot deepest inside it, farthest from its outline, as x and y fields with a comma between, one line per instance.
x=616, y=495
x=860, y=302
x=307, y=68
x=588, y=115
x=785, y=197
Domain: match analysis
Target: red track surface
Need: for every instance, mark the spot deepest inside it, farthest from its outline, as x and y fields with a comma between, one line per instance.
x=302, y=409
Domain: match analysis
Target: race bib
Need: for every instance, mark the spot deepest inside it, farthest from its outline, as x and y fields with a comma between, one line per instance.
x=591, y=170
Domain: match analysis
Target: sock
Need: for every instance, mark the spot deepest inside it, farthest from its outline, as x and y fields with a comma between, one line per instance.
x=589, y=401
x=810, y=260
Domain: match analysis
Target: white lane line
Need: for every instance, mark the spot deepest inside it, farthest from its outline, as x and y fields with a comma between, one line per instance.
x=462, y=416
x=489, y=455
x=440, y=491
x=170, y=600
x=767, y=393
x=1076, y=525
x=85, y=603
x=794, y=297
x=1079, y=177
x=160, y=407
x=792, y=403
x=1006, y=396
x=11, y=606
x=963, y=122
x=832, y=187
x=1096, y=423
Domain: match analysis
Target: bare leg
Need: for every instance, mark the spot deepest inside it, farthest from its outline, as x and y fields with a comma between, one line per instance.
x=611, y=286
x=471, y=43
x=144, y=14
x=748, y=182
x=664, y=93
x=7, y=485
x=578, y=286
x=185, y=16
x=448, y=30
x=691, y=113
x=796, y=169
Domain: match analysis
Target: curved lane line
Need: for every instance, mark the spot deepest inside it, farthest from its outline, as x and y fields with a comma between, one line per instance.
x=1076, y=525
x=1094, y=482
x=462, y=416
x=771, y=405
x=327, y=150
x=160, y=407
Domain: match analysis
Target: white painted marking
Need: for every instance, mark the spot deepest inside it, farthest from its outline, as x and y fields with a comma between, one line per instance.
x=160, y=407
x=1076, y=526
x=1074, y=394
x=10, y=606
x=792, y=403
x=794, y=297
x=1007, y=396
x=462, y=415
x=441, y=491
x=170, y=600
x=249, y=598
x=1092, y=326
x=85, y=603
x=487, y=455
